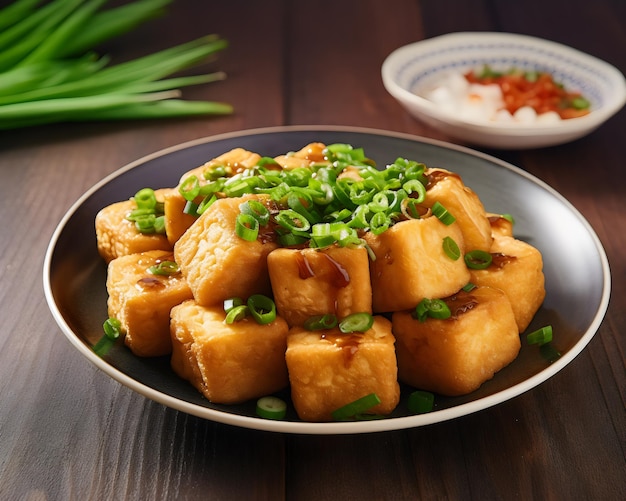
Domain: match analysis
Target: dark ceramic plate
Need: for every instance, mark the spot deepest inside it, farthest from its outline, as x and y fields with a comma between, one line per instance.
x=575, y=304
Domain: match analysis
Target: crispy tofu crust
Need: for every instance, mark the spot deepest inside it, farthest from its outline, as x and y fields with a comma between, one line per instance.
x=462, y=202
x=228, y=363
x=517, y=269
x=217, y=263
x=142, y=301
x=456, y=356
x=329, y=369
x=411, y=264
x=117, y=236
x=308, y=282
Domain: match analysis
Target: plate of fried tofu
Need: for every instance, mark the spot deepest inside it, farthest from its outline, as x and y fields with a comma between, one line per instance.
x=322, y=267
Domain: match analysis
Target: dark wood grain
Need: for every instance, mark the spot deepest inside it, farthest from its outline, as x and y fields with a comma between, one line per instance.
x=67, y=431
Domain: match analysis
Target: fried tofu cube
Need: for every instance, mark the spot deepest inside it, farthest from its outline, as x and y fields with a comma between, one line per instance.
x=457, y=355
x=142, y=301
x=216, y=262
x=234, y=161
x=228, y=363
x=448, y=189
x=177, y=221
x=117, y=236
x=500, y=226
x=411, y=264
x=329, y=369
x=308, y=282
x=516, y=269
x=312, y=153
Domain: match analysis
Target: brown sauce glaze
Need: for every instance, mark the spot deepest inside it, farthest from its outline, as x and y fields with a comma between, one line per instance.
x=460, y=303
x=499, y=260
x=150, y=283
x=349, y=344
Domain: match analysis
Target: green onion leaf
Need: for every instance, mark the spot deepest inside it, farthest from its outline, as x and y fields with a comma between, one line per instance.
x=421, y=402
x=478, y=259
x=236, y=313
x=262, y=308
x=356, y=322
x=271, y=408
x=320, y=322
x=112, y=328
x=540, y=336
x=442, y=214
x=359, y=406
x=230, y=303
x=451, y=248
x=165, y=268
x=247, y=227
x=433, y=308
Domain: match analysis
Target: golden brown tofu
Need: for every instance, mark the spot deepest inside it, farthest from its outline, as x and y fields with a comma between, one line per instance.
x=329, y=369
x=448, y=189
x=228, y=363
x=411, y=264
x=308, y=282
x=176, y=221
x=517, y=269
x=216, y=262
x=234, y=161
x=142, y=301
x=500, y=226
x=312, y=153
x=457, y=355
x=117, y=236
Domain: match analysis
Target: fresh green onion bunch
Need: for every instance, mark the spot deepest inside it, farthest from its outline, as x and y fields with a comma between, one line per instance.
x=315, y=205
x=50, y=72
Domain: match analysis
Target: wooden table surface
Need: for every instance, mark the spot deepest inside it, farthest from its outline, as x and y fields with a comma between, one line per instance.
x=68, y=431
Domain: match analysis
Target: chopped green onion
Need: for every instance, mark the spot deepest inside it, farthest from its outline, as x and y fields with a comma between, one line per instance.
x=421, y=402
x=359, y=406
x=441, y=213
x=540, y=336
x=356, y=322
x=433, y=308
x=320, y=322
x=292, y=221
x=468, y=287
x=262, y=309
x=549, y=352
x=164, y=268
x=231, y=303
x=271, y=408
x=236, y=314
x=257, y=210
x=247, y=227
x=145, y=199
x=112, y=328
x=478, y=259
x=580, y=103
x=451, y=248
x=509, y=218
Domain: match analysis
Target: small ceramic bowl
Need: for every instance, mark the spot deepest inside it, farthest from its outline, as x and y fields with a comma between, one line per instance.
x=410, y=72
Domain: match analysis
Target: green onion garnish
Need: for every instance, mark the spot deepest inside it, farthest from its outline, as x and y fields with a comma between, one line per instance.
x=262, y=308
x=359, y=406
x=271, y=408
x=433, y=308
x=230, y=303
x=236, y=314
x=441, y=213
x=421, y=402
x=549, y=352
x=356, y=322
x=468, y=287
x=111, y=327
x=540, y=336
x=247, y=227
x=257, y=210
x=320, y=322
x=165, y=268
x=478, y=259
x=451, y=248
